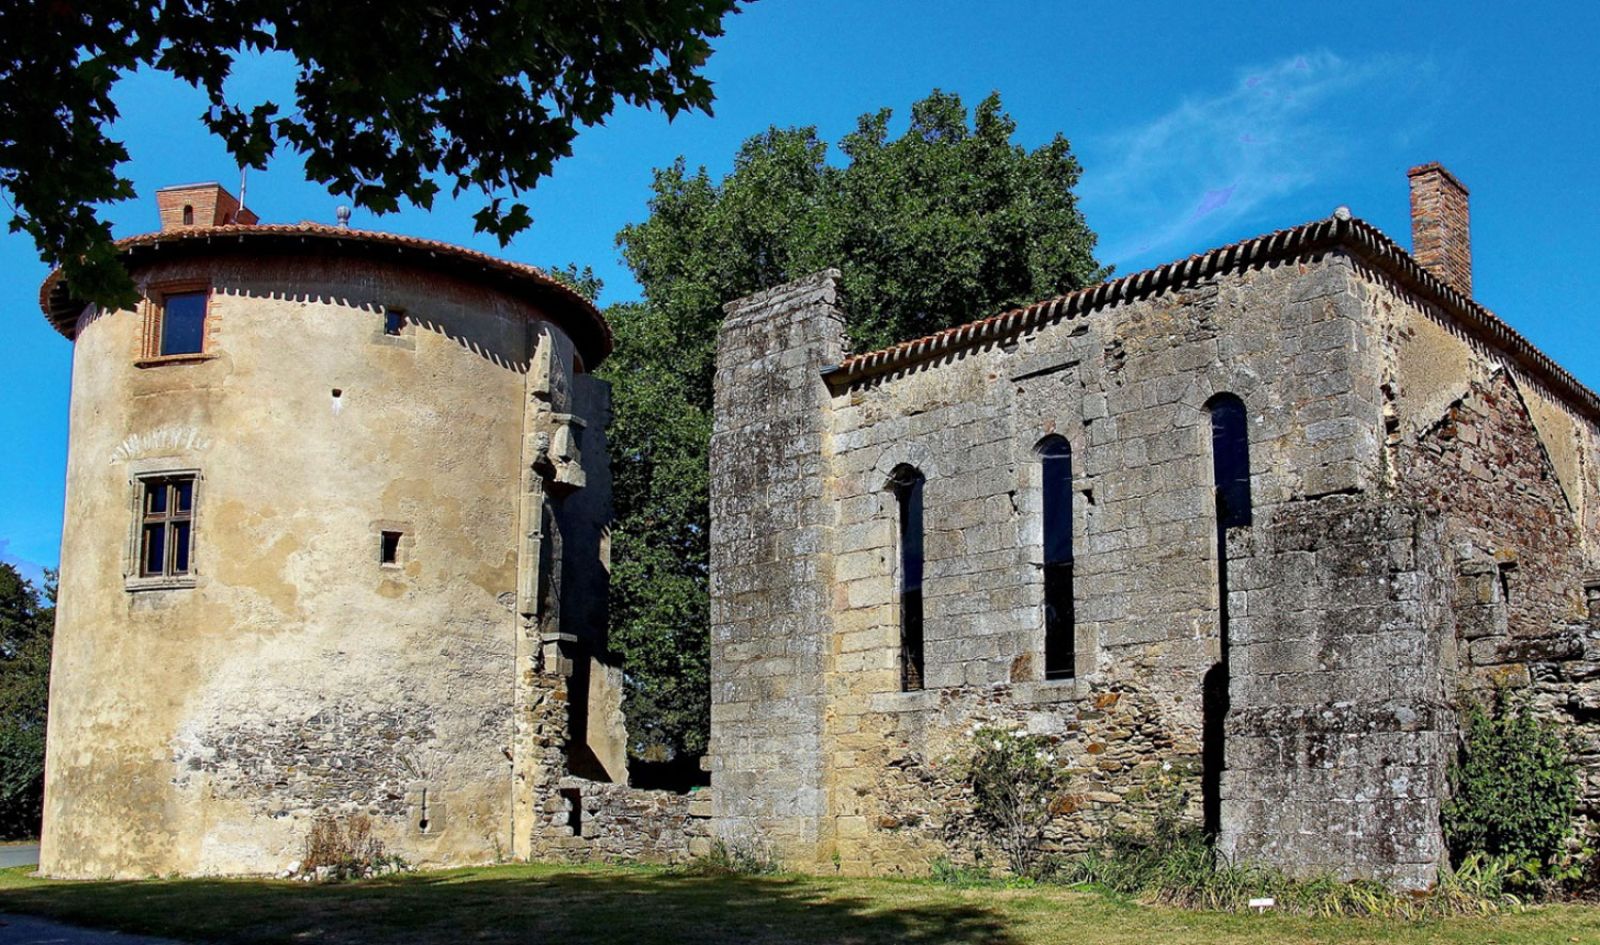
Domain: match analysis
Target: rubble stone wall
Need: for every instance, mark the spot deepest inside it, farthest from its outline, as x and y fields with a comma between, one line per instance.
x=1513, y=474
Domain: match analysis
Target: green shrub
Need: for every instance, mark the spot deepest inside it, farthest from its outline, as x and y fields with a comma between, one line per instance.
x=1015, y=779
x=1514, y=788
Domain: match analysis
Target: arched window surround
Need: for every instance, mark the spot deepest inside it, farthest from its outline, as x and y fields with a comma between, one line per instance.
x=1057, y=521
x=1229, y=422
x=907, y=483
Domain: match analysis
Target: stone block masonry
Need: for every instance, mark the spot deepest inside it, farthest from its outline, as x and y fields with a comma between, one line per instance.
x=1341, y=732
x=772, y=561
x=1293, y=682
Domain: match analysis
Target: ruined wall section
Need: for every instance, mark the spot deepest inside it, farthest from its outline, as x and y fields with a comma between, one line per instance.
x=1340, y=732
x=1512, y=466
x=590, y=821
x=771, y=565
x=1126, y=386
x=600, y=741
x=1512, y=471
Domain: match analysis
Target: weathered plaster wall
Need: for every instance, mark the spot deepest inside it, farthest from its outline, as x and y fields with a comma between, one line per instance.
x=200, y=730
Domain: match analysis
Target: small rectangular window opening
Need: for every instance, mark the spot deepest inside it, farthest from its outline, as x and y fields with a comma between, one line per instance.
x=574, y=799
x=183, y=323
x=1508, y=570
x=394, y=321
x=166, y=531
x=389, y=548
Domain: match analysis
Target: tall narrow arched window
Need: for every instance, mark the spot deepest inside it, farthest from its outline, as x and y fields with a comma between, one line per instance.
x=1060, y=632
x=1230, y=478
x=1230, y=460
x=908, y=484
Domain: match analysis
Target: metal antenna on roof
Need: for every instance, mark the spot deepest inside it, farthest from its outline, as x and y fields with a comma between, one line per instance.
x=343, y=215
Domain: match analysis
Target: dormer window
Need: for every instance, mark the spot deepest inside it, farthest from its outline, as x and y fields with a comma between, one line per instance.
x=183, y=323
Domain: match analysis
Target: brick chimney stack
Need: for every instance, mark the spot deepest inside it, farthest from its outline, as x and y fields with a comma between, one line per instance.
x=1441, y=235
x=192, y=205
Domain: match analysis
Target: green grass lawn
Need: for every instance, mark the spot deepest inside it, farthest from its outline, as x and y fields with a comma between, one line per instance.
x=575, y=905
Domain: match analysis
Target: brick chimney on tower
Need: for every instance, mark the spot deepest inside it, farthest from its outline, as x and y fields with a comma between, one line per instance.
x=204, y=205
x=1441, y=236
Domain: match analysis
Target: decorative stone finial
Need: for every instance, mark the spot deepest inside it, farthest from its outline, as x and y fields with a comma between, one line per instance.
x=343, y=215
x=1341, y=212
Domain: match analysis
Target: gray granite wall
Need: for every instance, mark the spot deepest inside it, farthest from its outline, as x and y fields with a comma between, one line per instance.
x=772, y=540
x=1341, y=728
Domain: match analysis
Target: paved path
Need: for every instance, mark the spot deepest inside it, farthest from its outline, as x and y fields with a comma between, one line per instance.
x=26, y=854
x=27, y=930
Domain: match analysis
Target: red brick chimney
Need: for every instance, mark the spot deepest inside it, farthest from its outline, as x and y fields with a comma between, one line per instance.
x=1441, y=236
x=192, y=205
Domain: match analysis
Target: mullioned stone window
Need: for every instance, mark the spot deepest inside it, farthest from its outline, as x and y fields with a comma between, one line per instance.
x=162, y=539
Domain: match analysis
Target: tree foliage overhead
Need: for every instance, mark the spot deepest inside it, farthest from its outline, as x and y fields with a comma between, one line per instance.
x=27, y=621
x=948, y=222
x=390, y=98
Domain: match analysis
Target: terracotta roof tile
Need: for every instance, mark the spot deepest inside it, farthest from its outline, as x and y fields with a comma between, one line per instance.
x=585, y=324
x=1358, y=237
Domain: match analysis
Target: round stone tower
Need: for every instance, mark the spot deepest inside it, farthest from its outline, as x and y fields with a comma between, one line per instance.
x=335, y=529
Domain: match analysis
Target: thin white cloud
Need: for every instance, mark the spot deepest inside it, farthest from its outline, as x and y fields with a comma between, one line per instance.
x=1180, y=179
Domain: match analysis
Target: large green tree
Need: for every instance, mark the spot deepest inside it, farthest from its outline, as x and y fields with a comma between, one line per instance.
x=27, y=619
x=950, y=221
x=391, y=97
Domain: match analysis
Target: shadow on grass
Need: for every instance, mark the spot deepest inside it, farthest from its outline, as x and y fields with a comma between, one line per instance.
x=517, y=904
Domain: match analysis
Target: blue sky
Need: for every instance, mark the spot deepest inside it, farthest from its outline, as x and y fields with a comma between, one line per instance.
x=1196, y=125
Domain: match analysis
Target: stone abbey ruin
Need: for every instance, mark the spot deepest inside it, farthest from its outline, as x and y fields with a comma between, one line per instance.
x=1258, y=521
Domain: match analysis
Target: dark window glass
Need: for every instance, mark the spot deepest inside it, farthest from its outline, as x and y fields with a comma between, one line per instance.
x=1230, y=459
x=908, y=486
x=1060, y=631
x=188, y=215
x=180, y=547
x=389, y=548
x=394, y=321
x=166, y=533
x=183, y=323
x=155, y=549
